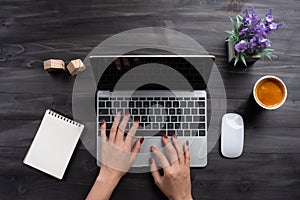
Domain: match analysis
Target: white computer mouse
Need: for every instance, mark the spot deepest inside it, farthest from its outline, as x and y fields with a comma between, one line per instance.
x=232, y=135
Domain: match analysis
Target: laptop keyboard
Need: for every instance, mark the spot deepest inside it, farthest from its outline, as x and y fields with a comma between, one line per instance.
x=183, y=116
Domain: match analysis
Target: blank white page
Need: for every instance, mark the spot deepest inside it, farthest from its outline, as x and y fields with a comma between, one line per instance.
x=53, y=144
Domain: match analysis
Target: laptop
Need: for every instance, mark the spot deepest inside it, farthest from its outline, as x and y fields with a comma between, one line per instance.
x=167, y=93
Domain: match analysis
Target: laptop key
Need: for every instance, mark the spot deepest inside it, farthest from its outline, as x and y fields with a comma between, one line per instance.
x=145, y=104
x=177, y=125
x=187, y=133
x=103, y=111
x=185, y=125
x=194, y=132
x=170, y=132
x=144, y=119
x=179, y=133
x=201, y=111
x=162, y=126
x=158, y=118
x=168, y=104
x=161, y=103
x=167, y=118
x=103, y=98
x=151, y=118
x=108, y=104
x=202, y=118
x=183, y=104
x=150, y=111
x=194, y=125
x=124, y=104
x=153, y=104
x=170, y=126
x=200, y=104
x=175, y=104
x=190, y=104
x=196, y=118
x=131, y=104
x=142, y=111
x=135, y=111
x=172, y=111
x=188, y=119
x=157, y=111
x=156, y=98
x=155, y=126
x=179, y=111
x=201, y=132
x=116, y=104
x=105, y=118
x=173, y=118
x=138, y=104
x=194, y=111
x=101, y=104
x=186, y=111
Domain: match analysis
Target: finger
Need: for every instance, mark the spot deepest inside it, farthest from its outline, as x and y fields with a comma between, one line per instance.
x=103, y=132
x=161, y=157
x=187, y=153
x=118, y=64
x=126, y=64
x=136, y=149
x=155, y=173
x=121, y=129
x=131, y=133
x=173, y=157
x=178, y=148
x=114, y=127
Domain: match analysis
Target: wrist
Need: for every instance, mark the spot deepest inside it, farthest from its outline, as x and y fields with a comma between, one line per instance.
x=183, y=198
x=109, y=179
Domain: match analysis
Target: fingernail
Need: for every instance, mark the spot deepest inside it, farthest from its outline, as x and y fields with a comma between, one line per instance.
x=126, y=112
x=187, y=143
x=136, y=120
x=174, y=135
x=165, y=136
x=151, y=160
x=141, y=140
x=151, y=147
x=103, y=121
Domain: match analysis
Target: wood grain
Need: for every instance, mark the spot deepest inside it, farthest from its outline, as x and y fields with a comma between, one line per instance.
x=33, y=31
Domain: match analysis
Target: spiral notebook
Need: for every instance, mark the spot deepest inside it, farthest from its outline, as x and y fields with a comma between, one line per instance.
x=53, y=144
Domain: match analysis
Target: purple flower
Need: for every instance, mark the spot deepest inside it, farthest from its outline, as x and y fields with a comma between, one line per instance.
x=269, y=16
x=263, y=43
x=241, y=46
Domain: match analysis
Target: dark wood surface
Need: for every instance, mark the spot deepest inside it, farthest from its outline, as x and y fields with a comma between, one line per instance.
x=32, y=31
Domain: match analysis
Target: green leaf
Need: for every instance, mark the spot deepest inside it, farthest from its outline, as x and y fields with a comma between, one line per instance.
x=232, y=22
x=238, y=22
x=230, y=32
x=236, y=59
x=243, y=59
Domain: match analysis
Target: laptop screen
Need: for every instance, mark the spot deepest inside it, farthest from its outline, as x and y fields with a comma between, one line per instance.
x=152, y=72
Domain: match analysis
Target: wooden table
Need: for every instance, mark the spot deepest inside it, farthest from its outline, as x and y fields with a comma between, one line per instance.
x=32, y=31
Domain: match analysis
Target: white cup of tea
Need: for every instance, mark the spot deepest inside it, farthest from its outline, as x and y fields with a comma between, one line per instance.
x=270, y=92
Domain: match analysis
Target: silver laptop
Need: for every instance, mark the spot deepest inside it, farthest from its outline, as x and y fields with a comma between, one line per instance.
x=167, y=93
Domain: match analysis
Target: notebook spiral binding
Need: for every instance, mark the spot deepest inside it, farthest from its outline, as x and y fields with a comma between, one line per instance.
x=54, y=114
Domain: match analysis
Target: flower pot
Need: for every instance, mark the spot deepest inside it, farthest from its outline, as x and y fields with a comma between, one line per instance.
x=250, y=60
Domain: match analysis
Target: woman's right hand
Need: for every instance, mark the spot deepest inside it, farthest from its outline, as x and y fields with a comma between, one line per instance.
x=176, y=181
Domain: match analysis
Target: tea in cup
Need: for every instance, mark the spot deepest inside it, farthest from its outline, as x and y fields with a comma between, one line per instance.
x=270, y=92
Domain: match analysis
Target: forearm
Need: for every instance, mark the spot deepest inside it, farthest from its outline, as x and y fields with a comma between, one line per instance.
x=102, y=188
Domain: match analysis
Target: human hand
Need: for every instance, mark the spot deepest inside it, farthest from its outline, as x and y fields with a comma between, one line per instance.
x=175, y=182
x=117, y=153
x=117, y=156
